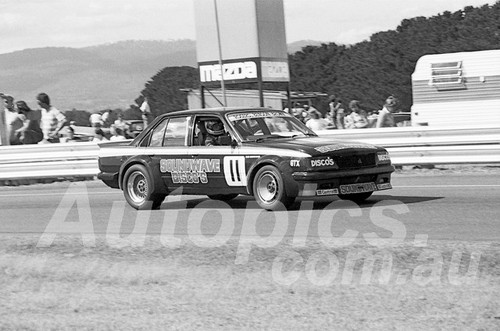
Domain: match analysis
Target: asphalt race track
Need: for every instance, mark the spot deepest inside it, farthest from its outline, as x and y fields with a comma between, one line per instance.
x=435, y=206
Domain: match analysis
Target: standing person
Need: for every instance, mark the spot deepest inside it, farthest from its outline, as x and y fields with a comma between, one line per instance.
x=30, y=132
x=116, y=134
x=358, y=118
x=339, y=114
x=13, y=120
x=331, y=116
x=385, y=116
x=95, y=120
x=146, y=112
x=105, y=118
x=3, y=126
x=316, y=122
x=99, y=136
x=122, y=124
x=297, y=111
x=53, y=120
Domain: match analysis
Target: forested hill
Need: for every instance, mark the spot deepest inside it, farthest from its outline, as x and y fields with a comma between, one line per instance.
x=372, y=70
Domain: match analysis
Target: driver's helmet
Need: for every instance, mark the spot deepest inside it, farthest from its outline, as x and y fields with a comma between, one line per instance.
x=214, y=127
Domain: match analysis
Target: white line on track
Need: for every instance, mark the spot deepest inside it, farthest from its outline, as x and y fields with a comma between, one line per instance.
x=58, y=193
x=120, y=192
x=446, y=186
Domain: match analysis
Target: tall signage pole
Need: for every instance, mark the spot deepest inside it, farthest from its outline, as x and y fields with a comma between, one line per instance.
x=254, y=38
x=222, y=85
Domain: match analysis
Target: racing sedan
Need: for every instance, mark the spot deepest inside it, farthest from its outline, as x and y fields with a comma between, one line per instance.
x=225, y=152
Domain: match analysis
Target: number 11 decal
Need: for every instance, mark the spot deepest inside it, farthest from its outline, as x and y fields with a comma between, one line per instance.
x=234, y=170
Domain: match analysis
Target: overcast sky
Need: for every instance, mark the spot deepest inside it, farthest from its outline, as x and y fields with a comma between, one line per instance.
x=79, y=23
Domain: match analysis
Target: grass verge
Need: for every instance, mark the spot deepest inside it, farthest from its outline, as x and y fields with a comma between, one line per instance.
x=68, y=286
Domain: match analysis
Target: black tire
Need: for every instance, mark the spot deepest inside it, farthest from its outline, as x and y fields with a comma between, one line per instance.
x=269, y=189
x=138, y=189
x=223, y=197
x=356, y=197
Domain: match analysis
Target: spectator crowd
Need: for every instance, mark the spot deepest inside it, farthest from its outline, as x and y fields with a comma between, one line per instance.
x=340, y=117
x=47, y=124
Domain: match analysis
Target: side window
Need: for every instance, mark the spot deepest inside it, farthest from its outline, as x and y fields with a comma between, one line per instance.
x=176, y=132
x=158, y=134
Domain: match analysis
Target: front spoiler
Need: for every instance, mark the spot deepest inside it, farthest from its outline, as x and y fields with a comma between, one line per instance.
x=315, y=176
x=331, y=182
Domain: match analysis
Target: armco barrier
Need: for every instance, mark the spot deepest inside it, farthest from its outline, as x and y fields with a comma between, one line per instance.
x=407, y=146
x=426, y=145
x=48, y=161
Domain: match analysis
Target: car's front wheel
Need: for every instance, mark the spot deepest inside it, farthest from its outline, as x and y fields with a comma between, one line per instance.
x=356, y=197
x=138, y=189
x=269, y=189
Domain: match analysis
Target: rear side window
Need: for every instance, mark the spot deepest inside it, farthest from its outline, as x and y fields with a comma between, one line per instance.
x=170, y=132
x=176, y=132
x=158, y=134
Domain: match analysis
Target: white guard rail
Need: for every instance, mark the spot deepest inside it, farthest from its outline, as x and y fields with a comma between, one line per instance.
x=406, y=145
x=427, y=145
x=61, y=160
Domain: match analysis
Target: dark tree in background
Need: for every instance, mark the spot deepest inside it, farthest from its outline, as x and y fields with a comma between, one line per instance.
x=163, y=91
x=372, y=70
x=79, y=117
x=368, y=71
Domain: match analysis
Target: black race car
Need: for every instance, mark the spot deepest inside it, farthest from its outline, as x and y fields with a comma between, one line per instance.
x=225, y=152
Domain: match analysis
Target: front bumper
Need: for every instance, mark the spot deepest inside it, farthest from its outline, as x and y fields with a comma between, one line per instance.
x=344, y=181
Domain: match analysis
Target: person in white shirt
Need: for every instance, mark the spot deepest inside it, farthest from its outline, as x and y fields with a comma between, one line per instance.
x=146, y=112
x=116, y=134
x=13, y=120
x=316, y=122
x=95, y=120
x=52, y=120
x=386, y=115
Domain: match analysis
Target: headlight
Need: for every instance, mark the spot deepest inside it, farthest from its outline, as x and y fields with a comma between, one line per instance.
x=383, y=158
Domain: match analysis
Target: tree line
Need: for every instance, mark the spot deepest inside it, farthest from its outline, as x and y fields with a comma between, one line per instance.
x=368, y=71
x=372, y=70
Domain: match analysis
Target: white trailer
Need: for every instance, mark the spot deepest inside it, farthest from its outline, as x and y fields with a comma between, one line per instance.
x=457, y=89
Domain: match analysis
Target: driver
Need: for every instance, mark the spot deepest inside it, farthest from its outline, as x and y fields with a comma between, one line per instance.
x=215, y=129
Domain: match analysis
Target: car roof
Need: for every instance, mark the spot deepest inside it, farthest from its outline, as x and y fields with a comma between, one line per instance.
x=215, y=111
x=203, y=111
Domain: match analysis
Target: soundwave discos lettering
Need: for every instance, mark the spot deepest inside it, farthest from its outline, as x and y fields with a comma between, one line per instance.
x=189, y=171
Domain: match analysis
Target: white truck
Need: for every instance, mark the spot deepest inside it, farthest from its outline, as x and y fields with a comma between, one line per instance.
x=457, y=89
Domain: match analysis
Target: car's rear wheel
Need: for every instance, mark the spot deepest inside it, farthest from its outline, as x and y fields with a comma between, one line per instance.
x=356, y=197
x=138, y=189
x=269, y=189
x=223, y=197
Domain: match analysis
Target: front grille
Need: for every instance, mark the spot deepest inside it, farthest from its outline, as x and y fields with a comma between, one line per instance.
x=356, y=161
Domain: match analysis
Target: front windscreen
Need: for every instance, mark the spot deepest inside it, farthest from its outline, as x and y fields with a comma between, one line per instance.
x=264, y=124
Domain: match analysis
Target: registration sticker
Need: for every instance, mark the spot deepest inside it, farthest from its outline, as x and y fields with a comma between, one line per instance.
x=332, y=191
x=358, y=188
x=384, y=186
